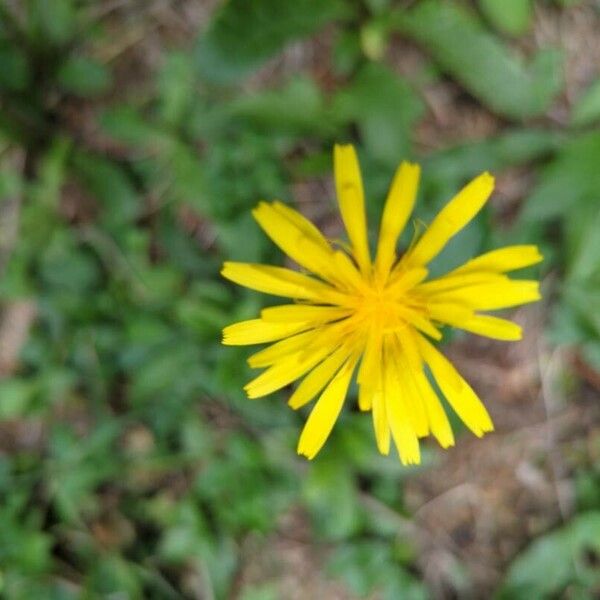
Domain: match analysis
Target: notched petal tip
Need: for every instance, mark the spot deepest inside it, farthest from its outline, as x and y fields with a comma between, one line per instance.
x=410, y=166
x=337, y=148
x=305, y=453
x=484, y=427
x=409, y=461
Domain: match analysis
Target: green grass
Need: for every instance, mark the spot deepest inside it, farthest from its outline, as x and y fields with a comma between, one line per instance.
x=132, y=465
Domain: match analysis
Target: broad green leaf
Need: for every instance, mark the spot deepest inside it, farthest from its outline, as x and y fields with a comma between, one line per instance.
x=587, y=107
x=298, y=106
x=480, y=62
x=384, y=107
x=582, y=243
x=330, y=492
x=370, y=568
x=512, y=17
x=572, y=178
x=584, y=300
x=466, y=160
x=242, y=35
x=127, y=125
x=556, y=560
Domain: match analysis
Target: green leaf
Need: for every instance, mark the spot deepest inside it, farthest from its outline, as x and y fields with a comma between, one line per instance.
x=15, y=397
x=297, y=106
x=53, y=21
x=84, y=77
x=572, y=178
x=587, y=107
x=242, y=35
x=483, y=65
x=370, y=568
x=127, y=125
x=112, y=576
x=111, y=187
x=584, y=300
x=582, y=244
x=176, y=86
x=330, y=493
x=556, y=560
x=385, y=108
x=512, y=17
x=453, y=166
x=47, y=187
x=14, y=69
x=65, y=268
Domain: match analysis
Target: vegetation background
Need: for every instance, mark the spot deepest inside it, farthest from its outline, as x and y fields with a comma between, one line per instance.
x=135, y=137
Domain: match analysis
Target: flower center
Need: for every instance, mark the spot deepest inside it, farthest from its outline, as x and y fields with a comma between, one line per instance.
x=379, y=306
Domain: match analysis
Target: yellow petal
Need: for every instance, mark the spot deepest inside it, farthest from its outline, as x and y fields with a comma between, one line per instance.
x=369, y=371
x=438, y=421
x=492, y=327
x=283, y=373
x=302, y=223
x=406, y=339
x=463, y=400
x=282, y=349
x=502, y=260
x=346, y=275
x=370, y=396
x=380, y=422
x=404, y=437
x=280, y=282
x=326, y=411
x=418, y=320
x=451, y=219
x=365, y=398
x=404, y=280
x=293, y=240
x=451, y=314
x=494, y=296
x=257, y=331
x=397, y=409
x=436, y=417
x=398, y=208
x=407, y=388
x=303, y=313
x=349, y=189
x=316, y=380
x=454, y=281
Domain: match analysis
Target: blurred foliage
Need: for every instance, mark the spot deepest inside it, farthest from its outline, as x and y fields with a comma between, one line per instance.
x=561, y=562
x=462, y=47
x=145, y=470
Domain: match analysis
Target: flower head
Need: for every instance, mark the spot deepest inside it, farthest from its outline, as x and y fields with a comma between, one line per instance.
x=353, y=315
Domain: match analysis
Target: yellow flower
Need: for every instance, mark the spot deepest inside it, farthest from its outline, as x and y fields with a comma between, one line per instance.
x=351, y=314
